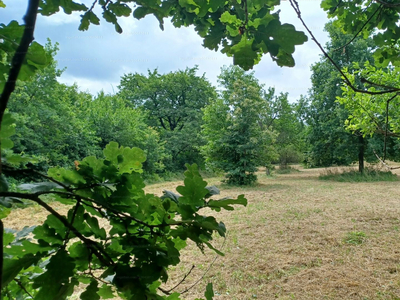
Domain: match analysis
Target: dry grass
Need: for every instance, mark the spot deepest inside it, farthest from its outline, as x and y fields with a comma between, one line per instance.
x=294, y=241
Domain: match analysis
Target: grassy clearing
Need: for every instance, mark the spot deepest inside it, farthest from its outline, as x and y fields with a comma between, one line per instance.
x=299, y=238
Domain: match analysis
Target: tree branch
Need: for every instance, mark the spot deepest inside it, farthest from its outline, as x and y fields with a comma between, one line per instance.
x=296, y=8
x=97, y=250
x=22, y=287
x=365, y=24
x=167, y=292
x=19, y=56
x=384, y=3
x=204, y=274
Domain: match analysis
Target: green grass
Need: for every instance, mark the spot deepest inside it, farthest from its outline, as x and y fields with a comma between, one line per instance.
x=355, y=238
x=369, y=175
x=286, y=170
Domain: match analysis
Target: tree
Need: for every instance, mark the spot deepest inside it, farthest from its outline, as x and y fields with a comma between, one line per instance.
x=282, y=118
x=173, y=103
x=363, y=18
x=237, y=141
x=113, y=119
x=48, y=118
x=373, y=114
x=329, y=142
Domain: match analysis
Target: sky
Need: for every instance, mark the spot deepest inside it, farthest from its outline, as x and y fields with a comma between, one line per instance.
x=96, y=59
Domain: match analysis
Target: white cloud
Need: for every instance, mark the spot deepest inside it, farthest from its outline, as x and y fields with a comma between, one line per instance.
x=97, y=58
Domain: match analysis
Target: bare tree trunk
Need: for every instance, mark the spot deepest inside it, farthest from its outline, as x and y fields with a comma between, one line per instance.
x=361, y=154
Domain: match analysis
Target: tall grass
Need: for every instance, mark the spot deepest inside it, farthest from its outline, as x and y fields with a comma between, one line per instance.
x=369, y=175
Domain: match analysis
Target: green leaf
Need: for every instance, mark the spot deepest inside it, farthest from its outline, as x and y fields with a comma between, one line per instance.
x=226, y=203
x=2, y=4
x=7, y=238
x=3, y=183
x=243, y=54
x=7, y=130
x=91, y=291
x=141, y=12
x=4, y=212
x=119, y=9
x=193, y=191
x=80, y=253
x=209, y=293
x=11, y=267
x=127, y=159
x=227, y=18
x=85, y=22
x=57, y=276
x=174, y=296
x=94, y=226
x=105, y=292
x=37, y=55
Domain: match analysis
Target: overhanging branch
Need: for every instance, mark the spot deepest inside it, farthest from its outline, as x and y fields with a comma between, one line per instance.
x=19, y=56
x=296, y=8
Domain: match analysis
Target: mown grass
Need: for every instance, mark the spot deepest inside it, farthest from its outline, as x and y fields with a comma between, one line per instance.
x=298, y=238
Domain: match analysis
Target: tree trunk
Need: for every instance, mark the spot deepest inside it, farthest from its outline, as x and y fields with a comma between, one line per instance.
x=361, y=154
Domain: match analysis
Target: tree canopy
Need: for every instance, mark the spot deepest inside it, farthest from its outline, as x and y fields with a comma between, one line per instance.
x=173, y=103
x=237, y=142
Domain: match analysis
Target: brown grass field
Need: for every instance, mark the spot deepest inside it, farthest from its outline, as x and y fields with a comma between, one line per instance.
x=298, y=238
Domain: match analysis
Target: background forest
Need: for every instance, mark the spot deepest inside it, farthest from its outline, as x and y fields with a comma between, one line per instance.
x=180, y=117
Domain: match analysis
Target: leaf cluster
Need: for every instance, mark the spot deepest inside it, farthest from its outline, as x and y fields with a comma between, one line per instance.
x=115, y=238
x=244, y=30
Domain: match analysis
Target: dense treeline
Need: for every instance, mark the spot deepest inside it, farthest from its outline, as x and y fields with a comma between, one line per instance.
x=179, y=118
x=329, y=142
x=169, y=116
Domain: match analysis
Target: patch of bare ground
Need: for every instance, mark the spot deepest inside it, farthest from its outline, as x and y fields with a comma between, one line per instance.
x=292, y=241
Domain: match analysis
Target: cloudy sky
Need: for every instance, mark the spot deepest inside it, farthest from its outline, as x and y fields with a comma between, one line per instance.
x=97, y=58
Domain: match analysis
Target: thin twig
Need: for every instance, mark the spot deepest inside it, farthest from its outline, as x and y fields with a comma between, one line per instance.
x=383, y=163
x=388, y=4
x=296, y=8
x=365, y=80
x=22, y=287
x=387, y=125
x=167, y=292
x=209, y=267
x=97, y=250
x=355, y=36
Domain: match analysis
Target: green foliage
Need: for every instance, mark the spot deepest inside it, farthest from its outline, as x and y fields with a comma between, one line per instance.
x=48, y=121
x=369, y=175
x=129, y=252
x=329, y=142
x=244, y=30
x=284, y=120
x=112, y=119
x=237, y=143
x=173, y=104
x=370, y=114
x=379, y=18
x=36, y=59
